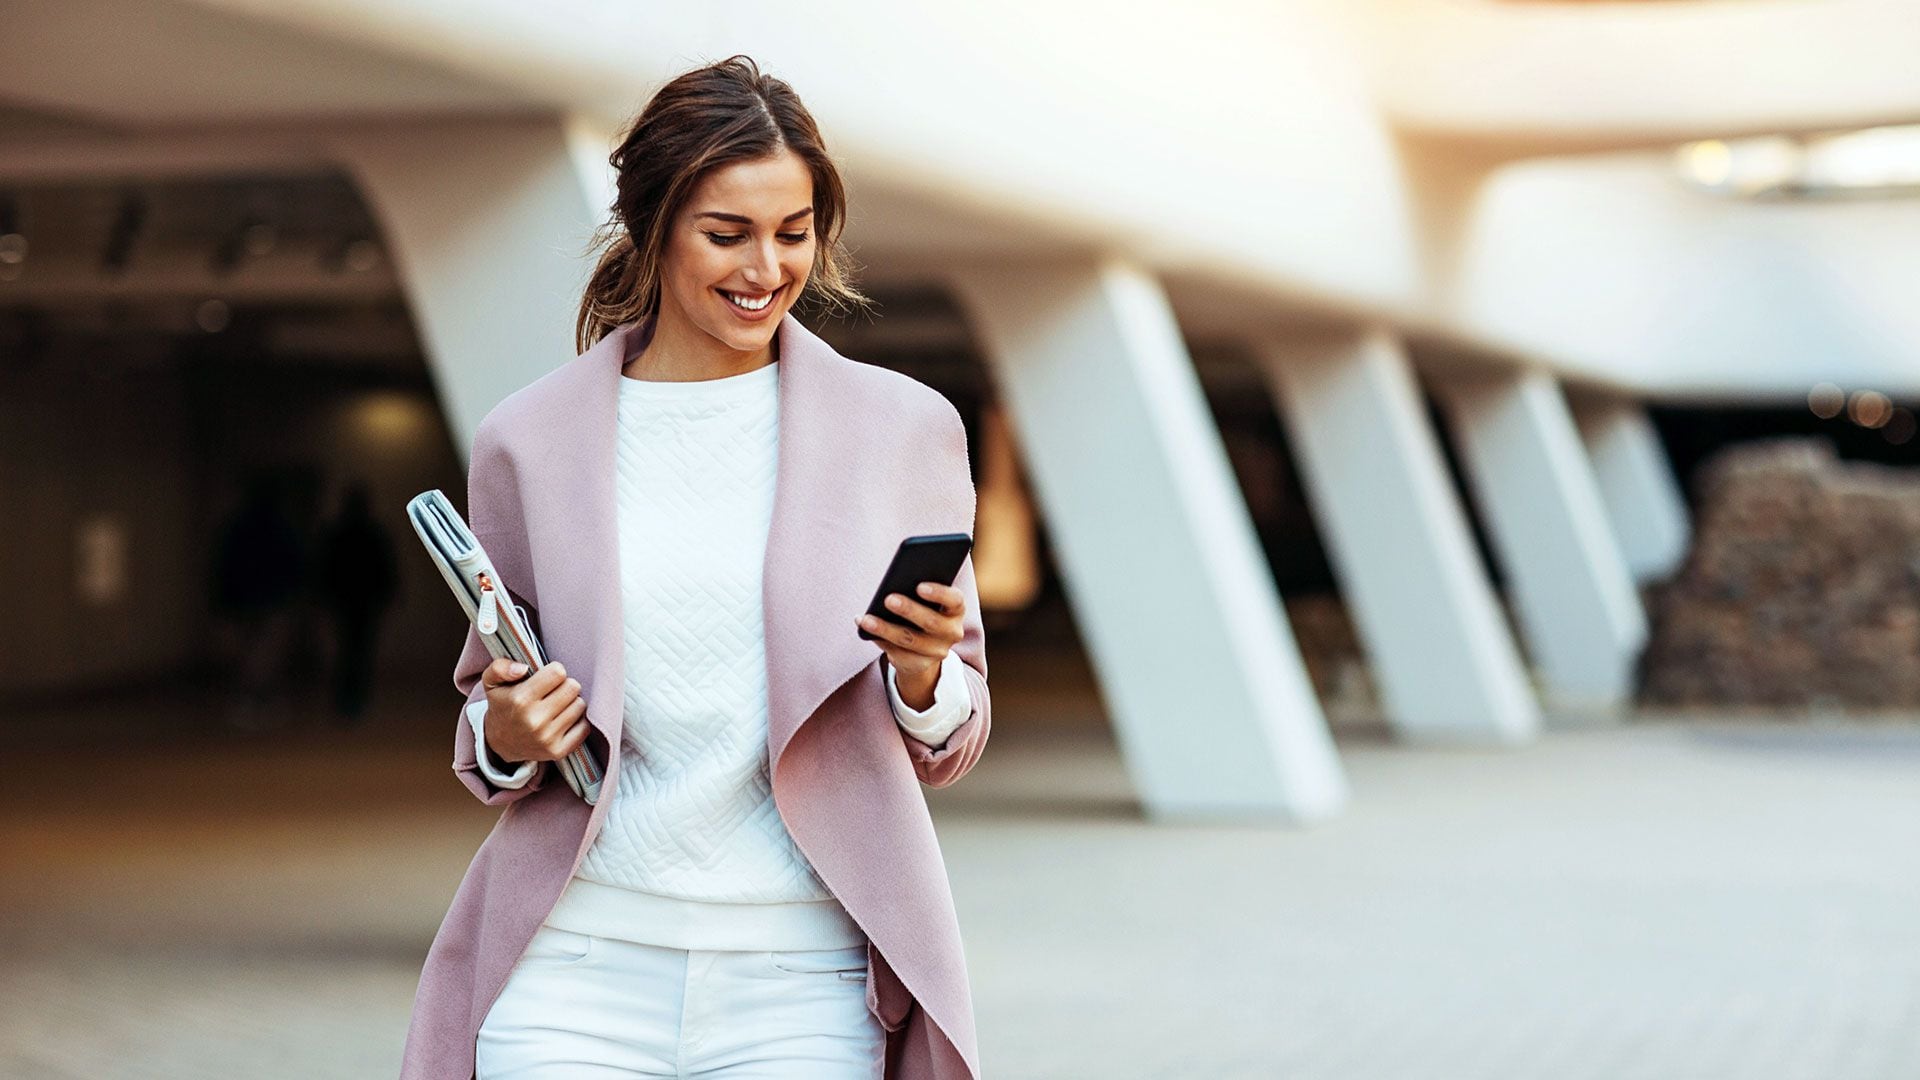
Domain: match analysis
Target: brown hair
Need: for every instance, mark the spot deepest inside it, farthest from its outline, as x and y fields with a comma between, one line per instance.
x=709, y=117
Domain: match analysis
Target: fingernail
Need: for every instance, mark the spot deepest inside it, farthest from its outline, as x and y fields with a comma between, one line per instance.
x=518, y=670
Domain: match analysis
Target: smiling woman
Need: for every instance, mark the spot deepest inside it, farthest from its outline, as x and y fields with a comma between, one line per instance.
x=733, y=264
x=726, y=180
x=700, y=504
x=750, y=298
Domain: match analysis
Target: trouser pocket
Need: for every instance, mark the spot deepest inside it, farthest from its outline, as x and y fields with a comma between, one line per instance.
x=850, y=963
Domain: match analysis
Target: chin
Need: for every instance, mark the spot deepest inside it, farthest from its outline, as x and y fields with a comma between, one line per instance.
x=749, y=340
x=745, y=338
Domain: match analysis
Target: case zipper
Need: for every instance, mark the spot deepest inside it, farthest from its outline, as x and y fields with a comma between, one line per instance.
x=487, y=619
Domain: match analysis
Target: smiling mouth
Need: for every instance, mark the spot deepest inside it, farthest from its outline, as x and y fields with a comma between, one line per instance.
x=745, y=303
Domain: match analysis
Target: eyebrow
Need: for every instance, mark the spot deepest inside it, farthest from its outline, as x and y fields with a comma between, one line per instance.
x=742, y=219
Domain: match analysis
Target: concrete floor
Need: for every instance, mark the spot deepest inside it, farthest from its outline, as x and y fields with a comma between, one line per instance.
x=1715, y=898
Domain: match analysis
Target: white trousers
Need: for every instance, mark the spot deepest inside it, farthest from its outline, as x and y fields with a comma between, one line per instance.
x=580, y=1005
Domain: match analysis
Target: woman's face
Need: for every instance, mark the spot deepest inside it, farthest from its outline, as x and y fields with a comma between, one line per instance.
x=745, y=235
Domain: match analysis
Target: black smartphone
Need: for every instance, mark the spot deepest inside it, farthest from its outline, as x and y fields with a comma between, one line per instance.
x=935, y=557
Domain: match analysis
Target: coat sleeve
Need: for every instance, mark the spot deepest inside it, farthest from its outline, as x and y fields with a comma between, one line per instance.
x=491, y=507
x=950, y=707
x=938, y=768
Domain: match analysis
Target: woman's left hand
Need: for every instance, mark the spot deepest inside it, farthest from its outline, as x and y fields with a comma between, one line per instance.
x=938, y=619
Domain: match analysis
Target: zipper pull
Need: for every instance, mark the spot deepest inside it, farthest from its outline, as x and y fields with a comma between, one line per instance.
x=487, y=619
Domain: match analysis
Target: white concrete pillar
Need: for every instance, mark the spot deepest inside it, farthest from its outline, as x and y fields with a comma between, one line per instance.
x=1576, y=603
x=1209, y=697
x=1644, y=502
x=1442, y=653
x=487, y=221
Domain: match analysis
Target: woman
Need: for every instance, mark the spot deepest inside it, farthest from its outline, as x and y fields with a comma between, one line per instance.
x=695, y=512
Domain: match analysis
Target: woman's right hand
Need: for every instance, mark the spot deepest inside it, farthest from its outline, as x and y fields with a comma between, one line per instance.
x=533, y=717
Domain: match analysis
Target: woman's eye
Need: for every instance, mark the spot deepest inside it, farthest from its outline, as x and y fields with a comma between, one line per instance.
x=730, y=239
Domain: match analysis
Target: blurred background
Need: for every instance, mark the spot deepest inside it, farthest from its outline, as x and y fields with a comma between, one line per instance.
x=1449, y=525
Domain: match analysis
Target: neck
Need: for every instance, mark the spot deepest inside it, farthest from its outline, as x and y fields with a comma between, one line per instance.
x=678, y=351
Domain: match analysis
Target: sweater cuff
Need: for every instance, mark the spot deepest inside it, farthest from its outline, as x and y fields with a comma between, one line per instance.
x=952, y=703
x=476, y=715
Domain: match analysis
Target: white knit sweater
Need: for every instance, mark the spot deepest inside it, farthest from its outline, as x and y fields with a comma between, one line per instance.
x=693, y=853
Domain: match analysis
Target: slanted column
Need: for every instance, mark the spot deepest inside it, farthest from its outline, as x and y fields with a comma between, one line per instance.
x=486, y=221
x=1576, y=603
x=1644, y=502
x=1442, y=654
x=1209, y=697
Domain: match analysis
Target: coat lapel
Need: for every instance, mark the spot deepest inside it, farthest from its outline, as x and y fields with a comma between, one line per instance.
x=568, y=495
x=818, y=577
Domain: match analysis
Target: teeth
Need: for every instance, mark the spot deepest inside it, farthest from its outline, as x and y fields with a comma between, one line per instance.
x=750, y=305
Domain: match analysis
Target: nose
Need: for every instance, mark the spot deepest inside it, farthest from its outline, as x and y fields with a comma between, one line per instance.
x=763, y=265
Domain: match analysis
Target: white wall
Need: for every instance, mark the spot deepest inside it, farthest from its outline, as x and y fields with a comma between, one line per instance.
x=1638, y=71
x=1616, y=268
x=1223, y=133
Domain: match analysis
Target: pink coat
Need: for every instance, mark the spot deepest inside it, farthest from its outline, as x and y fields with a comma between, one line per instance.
x=867, y=457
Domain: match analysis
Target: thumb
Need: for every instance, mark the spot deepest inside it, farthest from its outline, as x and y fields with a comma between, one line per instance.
x=503, y=671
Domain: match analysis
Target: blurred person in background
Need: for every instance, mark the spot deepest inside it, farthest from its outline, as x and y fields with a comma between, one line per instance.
x=358, y=579
x=677, y=927
x=259, y=575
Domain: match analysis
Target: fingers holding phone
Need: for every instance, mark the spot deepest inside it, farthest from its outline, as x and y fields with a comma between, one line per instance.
x=918, y=561
x=917, y=615
x=936, y=621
